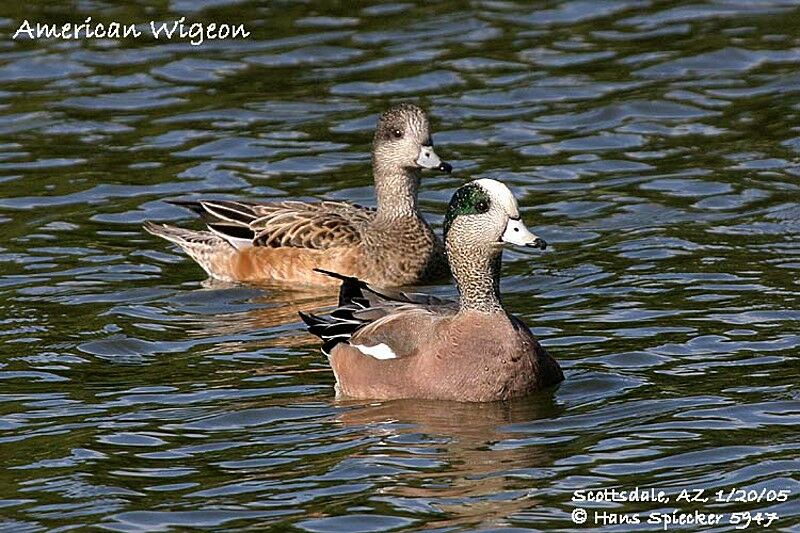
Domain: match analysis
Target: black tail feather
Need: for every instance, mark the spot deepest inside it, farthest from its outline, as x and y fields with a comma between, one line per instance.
x=229, y=211
x=351, y=290
x=341, y=324
x=235, y=232
x=332, y=332
x=224, y=212
x=339, y=276
x=311, y=319
x=328, y=345
x=343, y=313
x=338, y=330
x=188, y=204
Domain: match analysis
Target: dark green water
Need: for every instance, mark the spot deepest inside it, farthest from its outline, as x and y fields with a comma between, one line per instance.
x=655, y=145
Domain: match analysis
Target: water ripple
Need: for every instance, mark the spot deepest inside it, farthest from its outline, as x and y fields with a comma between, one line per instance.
x=654, y=145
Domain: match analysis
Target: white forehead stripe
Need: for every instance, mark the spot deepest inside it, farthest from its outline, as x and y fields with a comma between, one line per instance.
x=379, y=351
x=500, y=194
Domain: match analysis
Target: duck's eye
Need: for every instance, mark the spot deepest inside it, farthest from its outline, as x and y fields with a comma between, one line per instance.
x=482, y=206
x=397, y=133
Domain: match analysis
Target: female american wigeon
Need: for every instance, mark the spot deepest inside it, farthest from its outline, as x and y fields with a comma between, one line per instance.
x=282, y=242
x=385, y=345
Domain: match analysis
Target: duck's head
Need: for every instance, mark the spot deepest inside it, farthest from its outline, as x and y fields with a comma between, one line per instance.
x=484, y=212
x=403, y=140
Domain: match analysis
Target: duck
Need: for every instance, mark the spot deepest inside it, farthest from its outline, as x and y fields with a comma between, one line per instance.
x=385, y=344
x=283, y=242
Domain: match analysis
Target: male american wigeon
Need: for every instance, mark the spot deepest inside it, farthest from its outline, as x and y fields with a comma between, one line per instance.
x=284, y=241
x=384, y=345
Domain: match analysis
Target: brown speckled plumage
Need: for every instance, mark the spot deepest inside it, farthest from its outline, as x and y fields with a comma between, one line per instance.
x=284, y=241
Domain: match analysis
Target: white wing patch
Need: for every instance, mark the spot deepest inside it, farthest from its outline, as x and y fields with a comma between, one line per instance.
x=379, y=351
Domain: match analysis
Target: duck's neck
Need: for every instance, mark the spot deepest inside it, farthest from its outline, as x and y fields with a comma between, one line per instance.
x=396, y=191
x=476, y=271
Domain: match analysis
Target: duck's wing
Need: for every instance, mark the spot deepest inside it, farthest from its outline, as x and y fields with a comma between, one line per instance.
x=367, y=317
x=295, y=224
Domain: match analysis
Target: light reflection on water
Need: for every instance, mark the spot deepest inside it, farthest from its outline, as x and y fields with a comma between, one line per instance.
x=655, y=146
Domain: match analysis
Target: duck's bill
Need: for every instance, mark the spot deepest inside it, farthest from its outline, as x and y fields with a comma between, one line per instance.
x=517, y=233
x=428, y=159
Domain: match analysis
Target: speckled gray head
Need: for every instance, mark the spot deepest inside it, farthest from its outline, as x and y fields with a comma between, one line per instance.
x=485, y=211
x=403, y=138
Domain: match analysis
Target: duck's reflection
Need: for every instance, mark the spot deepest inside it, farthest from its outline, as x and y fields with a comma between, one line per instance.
x=464, y=459
x=269, y=311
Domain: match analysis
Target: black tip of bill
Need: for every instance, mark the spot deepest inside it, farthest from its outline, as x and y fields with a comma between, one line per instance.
x=539, y=243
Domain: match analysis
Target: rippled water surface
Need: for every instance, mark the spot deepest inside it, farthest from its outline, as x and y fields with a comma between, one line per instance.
x=655, y=145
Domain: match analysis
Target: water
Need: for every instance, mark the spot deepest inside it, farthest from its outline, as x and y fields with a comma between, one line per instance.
x=655, y=145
